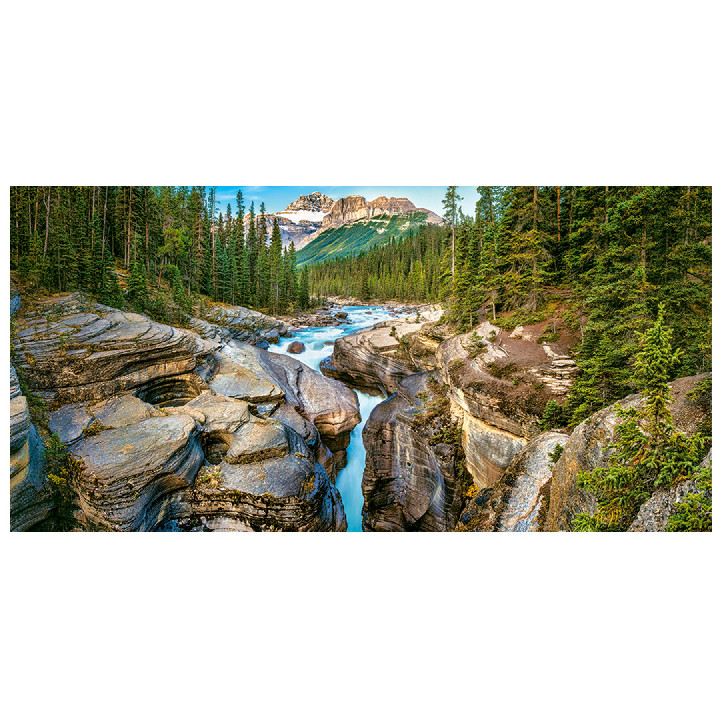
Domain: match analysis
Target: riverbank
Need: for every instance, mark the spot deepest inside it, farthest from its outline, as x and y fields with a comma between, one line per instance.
x=317, y=345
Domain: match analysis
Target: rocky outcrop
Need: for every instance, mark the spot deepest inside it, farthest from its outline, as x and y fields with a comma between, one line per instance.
x=129, y=472
x=356, y=207
x=167, y=430
x=314, y=202
x=329, y=405
x=370, y=359
x=411, y=480
x=500, y=382
x=296, y=347
x=515, y=503
x=496, y=385
x=587, y=448
x=527, y=480
x=31, y=497
x=73, y=350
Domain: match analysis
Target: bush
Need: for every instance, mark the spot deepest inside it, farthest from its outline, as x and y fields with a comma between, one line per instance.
x=694, y=513
x=555, y=453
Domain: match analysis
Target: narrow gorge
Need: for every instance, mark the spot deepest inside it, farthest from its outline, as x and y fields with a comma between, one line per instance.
x=541, y=365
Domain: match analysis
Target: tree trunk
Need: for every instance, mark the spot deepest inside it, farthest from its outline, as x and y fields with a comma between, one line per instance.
x=92, y=222
x=47, y=222
x=558, y=214
x=607, y=189
x=103, y=230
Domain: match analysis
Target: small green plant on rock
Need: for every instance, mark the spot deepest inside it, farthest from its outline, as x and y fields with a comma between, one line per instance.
x=94, y=428
x=555, y=453
x=476, y=346
x=210, y=477
x=694, y=512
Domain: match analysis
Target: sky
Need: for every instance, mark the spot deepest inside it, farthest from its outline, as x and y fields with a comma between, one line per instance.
x=277, y=197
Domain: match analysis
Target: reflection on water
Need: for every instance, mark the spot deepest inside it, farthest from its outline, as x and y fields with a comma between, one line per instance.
x=318, y=345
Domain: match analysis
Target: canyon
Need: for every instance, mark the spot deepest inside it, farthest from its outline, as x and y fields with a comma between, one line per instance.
x=220, y=426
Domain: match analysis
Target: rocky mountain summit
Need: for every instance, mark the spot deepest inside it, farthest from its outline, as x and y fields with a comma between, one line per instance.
x=356, y=207
x=304, y=219
x=170, y=429
x=314, y=202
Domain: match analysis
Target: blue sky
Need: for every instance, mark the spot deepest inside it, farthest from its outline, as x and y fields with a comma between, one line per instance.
x=277, y=197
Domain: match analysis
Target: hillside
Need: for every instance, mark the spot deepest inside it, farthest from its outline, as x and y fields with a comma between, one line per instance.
x=360, y=235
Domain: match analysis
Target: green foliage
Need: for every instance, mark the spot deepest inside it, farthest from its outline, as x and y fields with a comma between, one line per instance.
x=359, y=236
x=398, y=269
x=548, y=335
x=553, y=416
x=63, y=472
x=694, y=512
x=555, y=453
x=84, y=238
x=476, y=345
x=648, y=452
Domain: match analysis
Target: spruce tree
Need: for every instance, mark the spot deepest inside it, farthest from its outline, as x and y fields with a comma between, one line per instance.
x=275, y=268
x=648, y=452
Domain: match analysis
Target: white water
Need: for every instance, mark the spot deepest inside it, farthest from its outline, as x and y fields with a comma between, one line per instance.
x=318, y=343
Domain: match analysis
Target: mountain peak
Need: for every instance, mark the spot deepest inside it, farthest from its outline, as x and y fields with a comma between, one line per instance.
x=314, y=202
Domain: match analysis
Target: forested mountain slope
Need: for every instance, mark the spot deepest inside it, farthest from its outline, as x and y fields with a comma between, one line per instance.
x=599, y=259
x=359, y=236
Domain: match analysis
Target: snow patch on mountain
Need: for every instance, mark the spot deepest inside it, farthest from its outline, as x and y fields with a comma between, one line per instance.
x=298, y=216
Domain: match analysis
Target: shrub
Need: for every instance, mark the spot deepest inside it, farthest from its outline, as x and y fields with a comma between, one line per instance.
x=555, y=453
x=649, y=453
x=694, y=513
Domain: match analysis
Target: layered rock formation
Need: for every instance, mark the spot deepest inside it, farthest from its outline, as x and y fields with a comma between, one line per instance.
x=355, y=207
x=412, y=479
x=31, y=498
x=168, y=430
x=516, y=502
x=375, y=360
x=496, y=385
x=73, y=350
x=232, y=322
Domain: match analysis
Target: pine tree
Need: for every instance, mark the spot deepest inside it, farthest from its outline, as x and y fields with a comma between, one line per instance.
x=649, y=452
x=137, y=285
x=451, y=203
x=252, y=256
x=304, y=294
x=275, y=268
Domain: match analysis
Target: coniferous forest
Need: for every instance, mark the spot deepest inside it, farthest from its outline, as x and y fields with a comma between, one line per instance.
x=607, y=255
x=85, y=238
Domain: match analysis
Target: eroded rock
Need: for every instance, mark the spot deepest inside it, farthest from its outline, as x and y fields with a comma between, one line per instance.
x=587, y=448
x=74, y=350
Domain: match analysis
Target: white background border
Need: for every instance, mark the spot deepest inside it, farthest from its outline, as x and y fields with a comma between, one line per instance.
x=359, y=626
